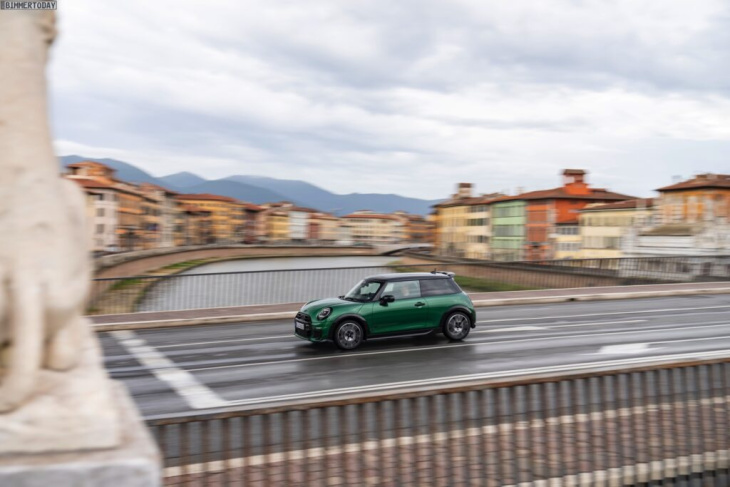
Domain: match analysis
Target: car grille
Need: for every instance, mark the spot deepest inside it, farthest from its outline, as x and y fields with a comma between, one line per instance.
x=307, y=331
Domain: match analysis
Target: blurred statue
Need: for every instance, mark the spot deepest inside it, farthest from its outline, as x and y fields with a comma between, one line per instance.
x=48, y=354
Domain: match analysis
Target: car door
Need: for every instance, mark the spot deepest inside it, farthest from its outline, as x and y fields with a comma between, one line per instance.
x=440, y=296
x=407, y=312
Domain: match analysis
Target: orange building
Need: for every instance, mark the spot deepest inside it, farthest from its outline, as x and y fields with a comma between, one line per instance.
x=558, y=206
x=192, y=225
x=227, y=215
x=129, y=201
x=705, y=197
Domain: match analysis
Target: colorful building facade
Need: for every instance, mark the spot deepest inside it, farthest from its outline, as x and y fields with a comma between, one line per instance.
x=508, y=218
x=603, y=227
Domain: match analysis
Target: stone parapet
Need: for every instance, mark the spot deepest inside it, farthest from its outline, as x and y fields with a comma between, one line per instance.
x=134, y=462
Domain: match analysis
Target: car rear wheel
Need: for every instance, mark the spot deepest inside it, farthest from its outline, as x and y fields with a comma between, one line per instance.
x=457, y=326
x=348, y=335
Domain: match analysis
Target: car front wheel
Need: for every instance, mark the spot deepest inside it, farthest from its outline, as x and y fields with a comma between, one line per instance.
x=348, y=335
x=457, y=326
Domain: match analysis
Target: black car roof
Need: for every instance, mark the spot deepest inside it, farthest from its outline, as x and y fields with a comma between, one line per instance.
x=402, y=276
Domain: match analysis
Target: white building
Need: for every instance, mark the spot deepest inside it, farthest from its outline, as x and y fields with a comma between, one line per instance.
x=689, y=239
x=298, y=223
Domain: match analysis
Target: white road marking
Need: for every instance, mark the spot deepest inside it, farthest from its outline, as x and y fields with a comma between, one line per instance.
x=626, y=348
x=482, y=376
x=195, y=394
x=436, y=347
x=603, y=314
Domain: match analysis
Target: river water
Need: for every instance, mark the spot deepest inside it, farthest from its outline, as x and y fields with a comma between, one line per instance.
x=261, y=281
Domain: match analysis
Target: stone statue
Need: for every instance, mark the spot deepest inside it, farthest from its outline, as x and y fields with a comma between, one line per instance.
x=54, y=393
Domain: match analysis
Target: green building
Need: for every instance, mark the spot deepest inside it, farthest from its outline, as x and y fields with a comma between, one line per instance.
x=508, y=229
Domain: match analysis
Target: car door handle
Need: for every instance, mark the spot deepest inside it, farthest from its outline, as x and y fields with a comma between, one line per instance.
x=419, y=304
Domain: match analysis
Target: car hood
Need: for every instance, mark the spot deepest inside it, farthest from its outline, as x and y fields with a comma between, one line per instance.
x=316, y=305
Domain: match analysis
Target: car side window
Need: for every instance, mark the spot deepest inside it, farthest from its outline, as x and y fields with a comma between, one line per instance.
x=438, y=287
x=403, y=289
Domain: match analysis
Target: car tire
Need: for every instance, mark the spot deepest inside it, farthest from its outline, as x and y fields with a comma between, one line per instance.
x=457, y=326
x=348, y=335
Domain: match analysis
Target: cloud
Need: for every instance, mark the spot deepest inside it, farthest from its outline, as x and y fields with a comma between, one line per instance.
x=408, y=97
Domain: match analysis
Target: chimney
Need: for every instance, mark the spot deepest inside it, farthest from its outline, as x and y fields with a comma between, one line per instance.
x=573, y=176
x=464, y=190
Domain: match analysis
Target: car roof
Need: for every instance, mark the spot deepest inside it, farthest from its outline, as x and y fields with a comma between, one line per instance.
x=403, y=276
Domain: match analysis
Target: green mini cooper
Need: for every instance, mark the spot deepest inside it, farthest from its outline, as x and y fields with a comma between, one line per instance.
x=389, y=305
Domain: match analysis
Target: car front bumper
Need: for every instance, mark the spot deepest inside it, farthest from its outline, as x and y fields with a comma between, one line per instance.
x=304, y=329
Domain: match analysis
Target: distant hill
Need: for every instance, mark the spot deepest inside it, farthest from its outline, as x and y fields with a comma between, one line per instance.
x=182, y=179
x=305, y=193
x=233, y=189
x=261, y=189
x=341, y=204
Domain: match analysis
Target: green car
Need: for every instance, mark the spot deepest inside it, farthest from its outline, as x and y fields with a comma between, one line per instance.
x=389, y=305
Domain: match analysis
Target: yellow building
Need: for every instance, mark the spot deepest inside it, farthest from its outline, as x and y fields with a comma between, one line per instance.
x=463, y=224
x=567, y=240
x=324, y=228
x=604, y=226
x=226, y=215
x=277, y=226
x=375, y=228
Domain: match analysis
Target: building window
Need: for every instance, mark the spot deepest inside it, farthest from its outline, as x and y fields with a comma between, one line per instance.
x=99, y=228
x=100, y=212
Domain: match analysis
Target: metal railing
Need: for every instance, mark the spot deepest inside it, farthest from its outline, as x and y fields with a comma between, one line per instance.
x=214, y=290
x=659, y=424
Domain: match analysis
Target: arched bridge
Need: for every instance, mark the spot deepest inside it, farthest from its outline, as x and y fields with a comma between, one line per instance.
x=395, y=248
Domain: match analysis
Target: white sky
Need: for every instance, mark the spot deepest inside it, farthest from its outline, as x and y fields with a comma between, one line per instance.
x=407, y=97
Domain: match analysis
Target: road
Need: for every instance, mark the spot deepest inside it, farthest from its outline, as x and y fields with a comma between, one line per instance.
x=177, y=370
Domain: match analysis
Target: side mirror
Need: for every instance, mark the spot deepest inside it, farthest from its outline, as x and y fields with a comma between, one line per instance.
x=388, y=298
x=340, y=297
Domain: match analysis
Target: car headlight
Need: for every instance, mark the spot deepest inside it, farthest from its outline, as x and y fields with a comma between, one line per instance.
x=324, y=313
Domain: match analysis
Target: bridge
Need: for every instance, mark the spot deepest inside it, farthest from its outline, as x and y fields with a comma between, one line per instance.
x=633, y=391
x=396, y=248
x=568, y=390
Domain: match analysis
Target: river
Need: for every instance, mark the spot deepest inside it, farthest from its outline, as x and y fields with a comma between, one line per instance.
x=261, y=281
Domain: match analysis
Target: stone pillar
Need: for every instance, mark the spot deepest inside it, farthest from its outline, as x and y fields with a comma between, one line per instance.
x=63, y=422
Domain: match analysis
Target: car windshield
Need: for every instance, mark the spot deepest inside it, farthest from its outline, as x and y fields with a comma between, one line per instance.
x=364, y=291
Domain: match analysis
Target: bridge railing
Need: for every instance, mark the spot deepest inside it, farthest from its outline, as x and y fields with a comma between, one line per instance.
x=635, y=425
x=191, y=290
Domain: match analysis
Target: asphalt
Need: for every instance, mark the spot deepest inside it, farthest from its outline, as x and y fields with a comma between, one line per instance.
x=261, y=312
x=197, y=368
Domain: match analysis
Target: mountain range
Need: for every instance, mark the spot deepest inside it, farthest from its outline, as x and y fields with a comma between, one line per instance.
x=260, y=189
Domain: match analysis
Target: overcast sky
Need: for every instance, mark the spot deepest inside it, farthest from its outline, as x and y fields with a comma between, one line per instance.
x=409, y=96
